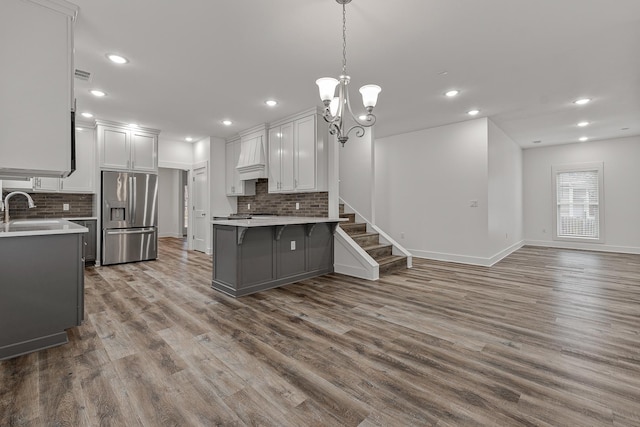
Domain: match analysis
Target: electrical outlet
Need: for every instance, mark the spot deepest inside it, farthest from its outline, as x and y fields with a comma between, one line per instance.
x=402, y=235
x=297, y=205
x=248, y=206
x=506, y=235
x=65, y=206
x=473, y=204
x=293, y=245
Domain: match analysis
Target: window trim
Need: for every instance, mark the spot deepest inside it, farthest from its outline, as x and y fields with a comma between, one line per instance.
x=579, y=167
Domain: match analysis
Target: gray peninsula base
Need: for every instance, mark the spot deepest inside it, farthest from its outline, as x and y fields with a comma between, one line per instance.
x=252, y=259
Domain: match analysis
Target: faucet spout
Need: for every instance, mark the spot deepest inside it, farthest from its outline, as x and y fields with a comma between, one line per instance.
x=5, y=206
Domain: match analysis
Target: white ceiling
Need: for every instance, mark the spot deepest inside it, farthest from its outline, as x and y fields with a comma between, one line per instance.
x=194, y=63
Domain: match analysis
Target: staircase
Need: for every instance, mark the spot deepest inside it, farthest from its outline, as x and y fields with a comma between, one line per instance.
x=370, y=242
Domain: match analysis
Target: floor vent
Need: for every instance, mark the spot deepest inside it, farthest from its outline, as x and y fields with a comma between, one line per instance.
x=83, y=75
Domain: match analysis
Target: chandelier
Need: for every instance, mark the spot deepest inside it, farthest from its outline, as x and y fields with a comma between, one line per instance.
x=335, y=107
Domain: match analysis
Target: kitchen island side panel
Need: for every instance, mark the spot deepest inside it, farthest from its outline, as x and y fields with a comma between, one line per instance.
x=320, y=248
x=225, y=255
x=256, y=257
x=41, y=291
x=290, y=261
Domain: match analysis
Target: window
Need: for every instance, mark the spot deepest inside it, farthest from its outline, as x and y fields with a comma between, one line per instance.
x=579, y=213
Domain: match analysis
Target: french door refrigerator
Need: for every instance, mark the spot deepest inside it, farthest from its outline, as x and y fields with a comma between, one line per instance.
x=129, y=217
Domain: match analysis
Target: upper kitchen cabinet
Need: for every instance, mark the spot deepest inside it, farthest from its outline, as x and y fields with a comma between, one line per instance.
x=298, y=154
x=82, y=180
x=233, y=184
x=36, y=94
x=122, y=147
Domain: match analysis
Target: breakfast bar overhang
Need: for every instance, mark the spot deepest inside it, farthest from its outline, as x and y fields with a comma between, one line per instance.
x=251, y=255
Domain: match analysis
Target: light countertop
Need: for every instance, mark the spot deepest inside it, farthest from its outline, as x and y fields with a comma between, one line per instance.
x=39, y=227
x=270, y=221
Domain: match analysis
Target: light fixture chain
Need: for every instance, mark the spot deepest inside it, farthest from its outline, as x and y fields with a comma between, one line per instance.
x=344, y=40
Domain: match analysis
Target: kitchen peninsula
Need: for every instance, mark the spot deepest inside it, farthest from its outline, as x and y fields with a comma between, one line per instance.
x=251, y=255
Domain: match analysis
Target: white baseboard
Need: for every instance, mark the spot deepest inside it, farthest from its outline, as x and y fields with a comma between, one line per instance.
x=360, y=273
x=599, y=247
x=466, y=259
x=176, y=235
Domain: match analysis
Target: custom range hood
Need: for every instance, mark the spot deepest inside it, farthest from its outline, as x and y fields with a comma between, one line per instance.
x=252, y=163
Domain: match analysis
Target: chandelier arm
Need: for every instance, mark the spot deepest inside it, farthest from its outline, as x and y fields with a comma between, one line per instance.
x=370, y=120
x=359, y=131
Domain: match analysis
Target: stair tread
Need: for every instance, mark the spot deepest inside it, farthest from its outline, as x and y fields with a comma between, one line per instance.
x=376, y=246
x=364, y=234
x=390, y=259
x=352, y=224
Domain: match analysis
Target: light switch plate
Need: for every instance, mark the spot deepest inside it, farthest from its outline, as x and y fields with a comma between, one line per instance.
x=65, y=206
x=293, y=245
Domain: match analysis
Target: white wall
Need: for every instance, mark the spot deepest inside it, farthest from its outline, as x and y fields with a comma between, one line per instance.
x=621, y=194
x=356, y=173
x=169, y=203
x=424, y=183
x=174, y=154
x=505, y=193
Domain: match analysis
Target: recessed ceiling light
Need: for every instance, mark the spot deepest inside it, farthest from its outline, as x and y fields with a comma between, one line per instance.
x=443, y=73
x=188, y=139
x=271, y=102
x=473, y=112
x=227, y=122
x=98, y=93
x=133, y=125
x=583, y=139
x=87, y=115
x=582, y=101
x=117, y=58
x=583, y=124
x=537, y=141
x=452, y=93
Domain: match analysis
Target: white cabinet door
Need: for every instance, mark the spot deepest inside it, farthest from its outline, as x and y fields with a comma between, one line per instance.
x=305, y=153
x=46, y=185
x=274, y=159
x=114, y=144
x=281, y=147
x=36, y=42
x=235, y=187
x=144, y=151
x=12, y=185
x=83, y=179
x=287, y=181
x=229, y=168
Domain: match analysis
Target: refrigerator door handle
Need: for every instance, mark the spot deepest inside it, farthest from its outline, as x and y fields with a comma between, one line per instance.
x=130, y=200
x=134, y=196
x=130, y=231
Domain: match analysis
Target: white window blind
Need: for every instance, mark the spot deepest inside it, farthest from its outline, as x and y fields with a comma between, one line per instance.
x=578, y=203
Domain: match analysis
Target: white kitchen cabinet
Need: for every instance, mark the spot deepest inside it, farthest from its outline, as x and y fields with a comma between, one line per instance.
x=36, y=44
x=82, y=180
x=124, y=148
x=14, y=185
x=281, y=158
x=234, y=185
x=298, y=154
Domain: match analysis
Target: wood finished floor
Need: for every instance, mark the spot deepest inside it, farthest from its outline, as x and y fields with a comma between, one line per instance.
x=547, y=337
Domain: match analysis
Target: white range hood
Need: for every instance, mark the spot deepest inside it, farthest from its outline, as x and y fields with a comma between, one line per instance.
x=252, y=163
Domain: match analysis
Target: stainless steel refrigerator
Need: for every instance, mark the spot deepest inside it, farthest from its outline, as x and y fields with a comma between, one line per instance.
x=129, y=217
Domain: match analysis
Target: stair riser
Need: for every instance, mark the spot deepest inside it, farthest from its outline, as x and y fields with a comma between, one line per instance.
x=400, y=264
x=366, y=240
x=350, y=216
x=379, y=252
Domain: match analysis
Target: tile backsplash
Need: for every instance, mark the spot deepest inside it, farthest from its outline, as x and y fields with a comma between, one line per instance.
x=311, y=204
x=50, y=205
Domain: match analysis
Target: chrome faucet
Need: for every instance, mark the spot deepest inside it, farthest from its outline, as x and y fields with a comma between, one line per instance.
x=5, y=206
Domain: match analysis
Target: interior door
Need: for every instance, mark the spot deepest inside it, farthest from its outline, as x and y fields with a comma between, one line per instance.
x=200, y=209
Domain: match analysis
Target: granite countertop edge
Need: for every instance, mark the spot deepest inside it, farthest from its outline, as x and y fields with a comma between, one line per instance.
x=275, y=220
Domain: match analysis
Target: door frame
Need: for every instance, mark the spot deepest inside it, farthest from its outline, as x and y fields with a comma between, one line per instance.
x=190, y=227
